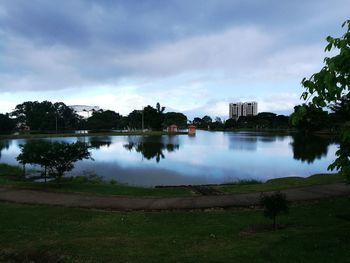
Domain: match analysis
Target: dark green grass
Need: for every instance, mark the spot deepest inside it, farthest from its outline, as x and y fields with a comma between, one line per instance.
x=281, y=183
x=318, y=232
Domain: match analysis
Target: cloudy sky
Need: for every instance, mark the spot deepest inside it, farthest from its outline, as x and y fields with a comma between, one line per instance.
x=193, y=56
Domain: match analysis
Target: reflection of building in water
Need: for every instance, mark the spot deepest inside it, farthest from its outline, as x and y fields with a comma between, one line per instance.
x=245, y=143
x=239, y=109
x=151, y=147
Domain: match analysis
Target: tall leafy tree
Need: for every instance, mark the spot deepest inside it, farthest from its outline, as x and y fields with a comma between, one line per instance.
x=6, y=123
x=177, y=118
x=45, y=115
x=312, y=119
x=105, y=120
x=330, y=85
x=56, y=158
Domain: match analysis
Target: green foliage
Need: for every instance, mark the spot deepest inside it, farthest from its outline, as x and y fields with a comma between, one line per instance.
x=43, y=115
x=56, y=157
x=6, y=123
x=331, y=85
x=342, y=163
x=263, y=120
x=309, y=118
x=230, y=124
x=154, y=117
x=105, y=120
x=176, y=118
x=274, y=205
x=134, y=120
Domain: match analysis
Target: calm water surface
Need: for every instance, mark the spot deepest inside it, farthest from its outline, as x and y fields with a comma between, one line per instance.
x=209, y=157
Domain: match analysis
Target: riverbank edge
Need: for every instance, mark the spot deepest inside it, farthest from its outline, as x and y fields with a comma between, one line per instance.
x=11, y=176
x=95, y=134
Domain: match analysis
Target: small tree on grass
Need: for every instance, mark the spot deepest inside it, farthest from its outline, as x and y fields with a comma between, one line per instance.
x=34, y=152
x=55, y=157
x=274, y=205
x=63, y=155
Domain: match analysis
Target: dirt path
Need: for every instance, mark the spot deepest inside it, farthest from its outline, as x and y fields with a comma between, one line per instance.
x=26, y=196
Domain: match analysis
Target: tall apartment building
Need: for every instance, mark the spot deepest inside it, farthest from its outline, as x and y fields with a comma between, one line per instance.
x=239, y=109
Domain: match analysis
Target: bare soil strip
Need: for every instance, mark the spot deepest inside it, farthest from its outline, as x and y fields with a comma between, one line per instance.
x=123, y=203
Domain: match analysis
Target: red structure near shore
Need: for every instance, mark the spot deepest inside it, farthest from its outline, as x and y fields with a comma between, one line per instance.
x=192, y=130
x=172, y=128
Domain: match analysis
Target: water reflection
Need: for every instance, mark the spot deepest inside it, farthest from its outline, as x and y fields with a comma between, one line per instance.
x=4, y=144
x=308, y=148
x=209, y=157
x=98, y=142
x=242, y=143
x=152, y=146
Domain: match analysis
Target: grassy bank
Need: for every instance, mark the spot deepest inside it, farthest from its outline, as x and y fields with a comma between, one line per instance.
x=316, y=232
x=49, y=135
x=280, y=183
x=12, y=176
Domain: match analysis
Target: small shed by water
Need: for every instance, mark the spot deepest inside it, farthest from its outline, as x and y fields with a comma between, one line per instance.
x=191, y=130
x=172, y=128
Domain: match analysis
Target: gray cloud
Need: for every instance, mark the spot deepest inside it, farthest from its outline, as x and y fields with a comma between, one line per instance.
x=57, y=45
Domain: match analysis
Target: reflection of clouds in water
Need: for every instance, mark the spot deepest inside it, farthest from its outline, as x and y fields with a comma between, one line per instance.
x=209, y=157
x=138, y=175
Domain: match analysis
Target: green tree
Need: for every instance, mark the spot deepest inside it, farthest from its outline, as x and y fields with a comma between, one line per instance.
x=312, y=119
x=63, y=155
x=175, y=118
x=105, y=120
x=56, y=158
x=330, y=85
x=46, y=116
x=230, y=124
x=154, y=117
x=6, y=123
x=274, y=205
x=134, y=120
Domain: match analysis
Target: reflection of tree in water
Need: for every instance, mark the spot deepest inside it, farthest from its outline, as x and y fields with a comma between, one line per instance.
x=243, y=143
x=98, y=142
x=307, y=148
x=151, y=147
x=4, y=144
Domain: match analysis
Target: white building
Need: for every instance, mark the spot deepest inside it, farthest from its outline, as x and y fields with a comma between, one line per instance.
x=239, y=109
x=235, y=110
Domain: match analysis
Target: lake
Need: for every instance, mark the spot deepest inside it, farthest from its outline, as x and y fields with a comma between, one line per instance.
x=207, y=158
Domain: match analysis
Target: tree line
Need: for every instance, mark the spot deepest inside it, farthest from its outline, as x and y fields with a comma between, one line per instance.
x=47, y=116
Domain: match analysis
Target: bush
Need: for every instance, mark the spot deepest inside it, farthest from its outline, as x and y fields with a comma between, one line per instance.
x=274, y=205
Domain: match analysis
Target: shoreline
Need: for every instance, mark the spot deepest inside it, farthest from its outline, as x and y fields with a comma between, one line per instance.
x=95, y=134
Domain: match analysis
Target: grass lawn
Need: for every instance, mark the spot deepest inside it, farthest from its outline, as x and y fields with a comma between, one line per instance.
x=281, y=183
x=318, y=232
